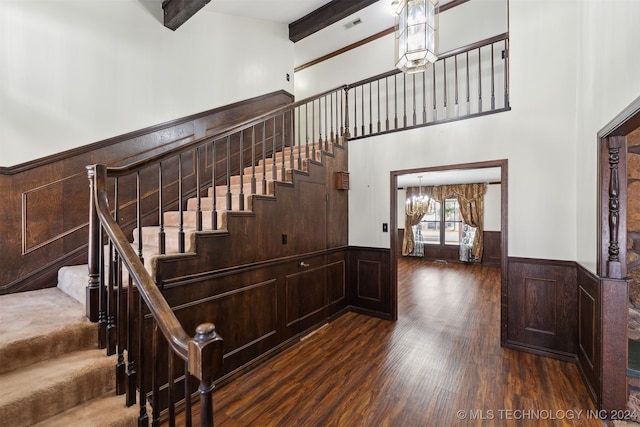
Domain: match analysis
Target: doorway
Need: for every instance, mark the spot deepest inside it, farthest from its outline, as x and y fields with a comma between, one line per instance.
x=459, y=169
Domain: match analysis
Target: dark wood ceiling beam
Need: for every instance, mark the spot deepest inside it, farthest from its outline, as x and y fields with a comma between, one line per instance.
x=324, y=16
x=177, y=12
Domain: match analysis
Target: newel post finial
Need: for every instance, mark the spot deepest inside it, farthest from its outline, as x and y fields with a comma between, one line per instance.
x=205, y=360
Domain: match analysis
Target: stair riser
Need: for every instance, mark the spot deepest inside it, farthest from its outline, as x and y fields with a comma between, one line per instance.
x=151, y=239
x=221, y=190
x=235, y=180
x=172, y=219
x=58, y=395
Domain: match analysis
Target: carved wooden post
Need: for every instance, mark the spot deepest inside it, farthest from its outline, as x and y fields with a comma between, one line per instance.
x=346, y=113
x=93, y=285
x=205, y=359
x=613, y=262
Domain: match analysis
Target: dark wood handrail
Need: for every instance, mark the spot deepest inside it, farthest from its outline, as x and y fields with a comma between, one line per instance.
x=223, y=133
x=448, y=54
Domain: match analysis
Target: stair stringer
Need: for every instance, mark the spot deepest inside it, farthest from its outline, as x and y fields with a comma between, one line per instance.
x=256, y=236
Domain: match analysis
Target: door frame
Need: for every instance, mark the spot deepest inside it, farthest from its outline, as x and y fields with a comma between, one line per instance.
x=504, y=235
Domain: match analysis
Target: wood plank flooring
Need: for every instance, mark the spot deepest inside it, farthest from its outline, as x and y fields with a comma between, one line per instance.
x=440, y=364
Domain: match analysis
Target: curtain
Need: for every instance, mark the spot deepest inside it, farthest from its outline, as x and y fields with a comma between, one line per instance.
x=408, y=243
x=471, y=201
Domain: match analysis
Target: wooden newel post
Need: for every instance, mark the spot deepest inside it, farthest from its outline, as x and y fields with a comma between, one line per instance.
x=93, y=285
x=205, y=359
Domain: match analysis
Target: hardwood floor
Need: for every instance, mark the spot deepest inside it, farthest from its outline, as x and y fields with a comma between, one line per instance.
x=440, y=364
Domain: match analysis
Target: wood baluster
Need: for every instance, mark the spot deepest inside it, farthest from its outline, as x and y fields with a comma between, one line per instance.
x=313, y=126
x=205, y=346
x=415, y=117
x=274, y=168
x=404, y=100
x=155, y=375
x=299, y=138
x=214, y=183
x=320, y=110
x=198, y=195
x=395, y=101
x=468, y=90
x=111, y=305
x=180, y=207
x=143, y=418
x=306, y=129
x=93, y=249
x=253, y=160
x=171, y=388
x=479, y=81
x=355, y=111
x=187, y=395
x=131, y=364
x=493, y=89
x=456, y=109
x=378, y=102
x=326, y=125
x=505, y=56
x=264, y=157
x=228, y=207
x=103, y=315
x=284, y=175
x=162, y=238
x=386, y=100
x=139, y=214
x=435, y=106
x=444, y=91
x=241, y=171
x=362, y=104
x=121, y=305
x=346, y=112
x=292, y=141
x=333, y=136
x=424, y=97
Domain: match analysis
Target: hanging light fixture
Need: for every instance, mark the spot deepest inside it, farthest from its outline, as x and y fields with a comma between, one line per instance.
x=420, y=204
x=416, y=35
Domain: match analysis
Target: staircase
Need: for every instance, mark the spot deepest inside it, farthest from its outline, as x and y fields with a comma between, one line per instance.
x=51, y=370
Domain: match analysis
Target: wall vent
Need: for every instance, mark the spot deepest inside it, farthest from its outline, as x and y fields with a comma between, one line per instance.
x=353, y=23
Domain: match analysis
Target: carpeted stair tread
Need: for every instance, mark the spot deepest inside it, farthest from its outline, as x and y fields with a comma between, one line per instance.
x=59, y=327
x=47, y=388
x=108, y=410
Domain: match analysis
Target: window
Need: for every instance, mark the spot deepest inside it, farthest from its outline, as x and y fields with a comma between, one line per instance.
x=444, y=225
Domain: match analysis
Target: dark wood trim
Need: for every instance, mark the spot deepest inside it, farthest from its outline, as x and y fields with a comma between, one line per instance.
x=588, y=357
x=369, y=275
x=177, y=12
x=366, y=40
x=247, y=103
x=345, y=49
x=324, y=16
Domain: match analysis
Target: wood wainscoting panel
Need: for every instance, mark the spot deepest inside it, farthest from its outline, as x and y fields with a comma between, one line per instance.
x=542, y=307
x=492, y=252
x=589, y=330
x=369, y=284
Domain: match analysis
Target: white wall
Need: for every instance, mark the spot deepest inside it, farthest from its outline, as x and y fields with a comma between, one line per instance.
x=537, y=137
x=73, y=72
x=608, y=80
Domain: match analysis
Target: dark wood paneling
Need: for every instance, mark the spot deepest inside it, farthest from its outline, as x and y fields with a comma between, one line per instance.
x=589, y=330
x=310, y=211
x=44, y=207
x=492, y=251
x=369, y=281
x=542, y=307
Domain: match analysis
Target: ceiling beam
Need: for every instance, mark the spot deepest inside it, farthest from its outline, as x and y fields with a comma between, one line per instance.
x=177, y=12
x=324, y=16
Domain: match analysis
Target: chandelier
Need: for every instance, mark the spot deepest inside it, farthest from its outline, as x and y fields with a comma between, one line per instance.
x=416, y=35
x=420, y=204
